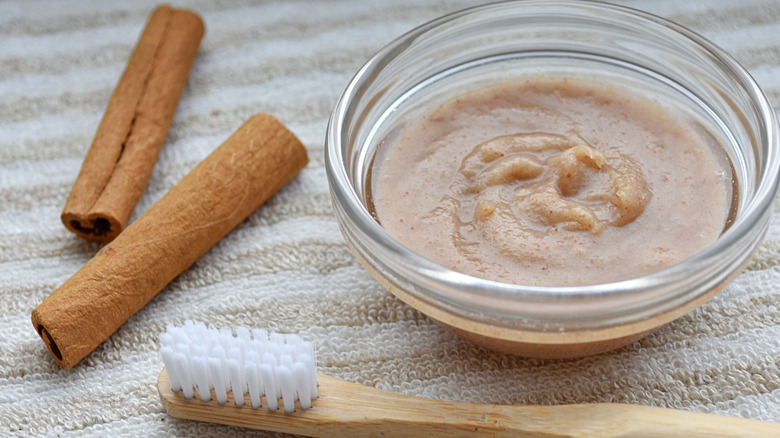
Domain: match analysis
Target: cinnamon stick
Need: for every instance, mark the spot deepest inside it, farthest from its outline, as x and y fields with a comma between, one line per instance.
x=231, y=183
x=128, y=141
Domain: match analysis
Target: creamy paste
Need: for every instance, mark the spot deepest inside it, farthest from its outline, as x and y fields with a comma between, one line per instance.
x=551, y=182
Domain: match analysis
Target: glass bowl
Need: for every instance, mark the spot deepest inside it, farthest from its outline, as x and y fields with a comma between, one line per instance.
x=503, y=41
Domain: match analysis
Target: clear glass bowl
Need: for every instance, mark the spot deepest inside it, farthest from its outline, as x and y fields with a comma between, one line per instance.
x=497, y=42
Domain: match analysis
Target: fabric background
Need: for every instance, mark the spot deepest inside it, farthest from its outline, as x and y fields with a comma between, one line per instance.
x=287, y=267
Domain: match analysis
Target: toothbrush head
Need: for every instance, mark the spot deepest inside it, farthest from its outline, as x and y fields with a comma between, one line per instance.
x=210, y=362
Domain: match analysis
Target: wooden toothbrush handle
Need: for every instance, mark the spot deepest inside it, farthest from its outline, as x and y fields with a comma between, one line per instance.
x=346, y=409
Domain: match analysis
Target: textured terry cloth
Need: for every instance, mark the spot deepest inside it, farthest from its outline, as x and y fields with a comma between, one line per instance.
x=287, y=267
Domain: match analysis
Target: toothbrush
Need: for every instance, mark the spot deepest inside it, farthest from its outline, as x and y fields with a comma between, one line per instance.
x=268, y=381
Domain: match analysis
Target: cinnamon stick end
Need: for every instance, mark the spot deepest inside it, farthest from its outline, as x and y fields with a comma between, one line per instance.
x=50, y=342
x=95, y=227
x=192, y=17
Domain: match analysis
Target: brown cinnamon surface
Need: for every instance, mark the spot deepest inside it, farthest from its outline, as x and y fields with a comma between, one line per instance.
x=128, y=141
x=231, y=183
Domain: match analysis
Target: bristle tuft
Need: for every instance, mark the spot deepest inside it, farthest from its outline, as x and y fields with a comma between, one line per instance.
x=252, y=362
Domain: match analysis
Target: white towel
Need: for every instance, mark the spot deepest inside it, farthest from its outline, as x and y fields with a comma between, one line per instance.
x=287, y=267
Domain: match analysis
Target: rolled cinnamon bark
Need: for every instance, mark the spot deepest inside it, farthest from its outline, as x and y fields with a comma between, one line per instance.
x=128, y=141
x=231, y=183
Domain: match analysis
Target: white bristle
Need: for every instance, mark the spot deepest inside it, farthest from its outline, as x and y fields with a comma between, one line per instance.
x=237, y=381
x=252, y=362
x=300, y=374
x=242, y=333
x=259, y=334
x=286, y=359
x=276, y=338
x=287, y=387
x=200, y=374
x=255, y=384
x=218, y=379
x=167, y=354
x=268, y=376
x=184, y=372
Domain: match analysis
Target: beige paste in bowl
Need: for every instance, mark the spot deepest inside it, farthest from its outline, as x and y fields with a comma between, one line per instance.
x=552, y=182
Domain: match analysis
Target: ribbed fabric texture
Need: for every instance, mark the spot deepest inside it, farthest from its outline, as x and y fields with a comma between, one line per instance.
x=287, y=267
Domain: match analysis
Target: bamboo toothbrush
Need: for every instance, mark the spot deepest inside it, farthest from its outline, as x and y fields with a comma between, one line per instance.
x=215, y=376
